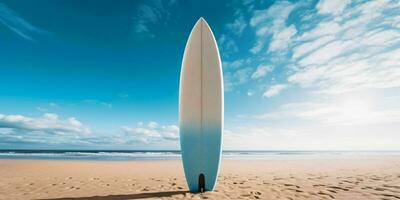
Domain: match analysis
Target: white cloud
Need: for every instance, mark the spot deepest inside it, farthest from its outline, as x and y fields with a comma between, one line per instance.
x=275, y=90
x=142, y=132
x=323, y=28
x=261, y=71
x=334, y=7
x=282, y=38
x=153, y=132
x=380, y=38
x=351, y=73
x=279, y=12
x=326, y=53
x=316, y=137
x=150, y=14
x=170, y=132
x=227, y=45
x=233, y=65
x=271, y=22
x=257, y=47
x=237, y=26
x=242, y=75
x=311, y=46
x=152, y=125
x=50, y=116
x=347, y=110
x=357, y=51
x=363, y=121
x=17, y=24
x=236, y=78
x=49, y=123
x=72, y=121
x=259, y=137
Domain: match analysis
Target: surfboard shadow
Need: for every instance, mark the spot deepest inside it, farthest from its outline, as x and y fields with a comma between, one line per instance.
x=125, y=196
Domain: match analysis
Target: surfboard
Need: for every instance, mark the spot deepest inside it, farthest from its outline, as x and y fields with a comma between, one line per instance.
x=201, y=109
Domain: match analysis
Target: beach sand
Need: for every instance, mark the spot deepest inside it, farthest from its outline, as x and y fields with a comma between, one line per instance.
x=373, y=177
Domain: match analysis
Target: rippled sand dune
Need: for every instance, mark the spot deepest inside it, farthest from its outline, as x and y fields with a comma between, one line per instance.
x=373, y=177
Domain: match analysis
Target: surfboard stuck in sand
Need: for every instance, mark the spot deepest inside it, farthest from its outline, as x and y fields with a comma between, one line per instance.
x=201, y=109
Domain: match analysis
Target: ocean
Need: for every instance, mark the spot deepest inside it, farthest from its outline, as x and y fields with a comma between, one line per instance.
x=121, y=155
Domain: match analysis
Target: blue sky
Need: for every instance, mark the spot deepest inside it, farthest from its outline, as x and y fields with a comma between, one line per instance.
x=299, y=75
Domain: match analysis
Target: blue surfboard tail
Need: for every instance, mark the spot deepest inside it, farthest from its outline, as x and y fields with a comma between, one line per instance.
x=201, y=157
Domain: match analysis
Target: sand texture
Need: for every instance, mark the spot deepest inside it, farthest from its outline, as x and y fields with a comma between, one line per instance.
x=347, y=178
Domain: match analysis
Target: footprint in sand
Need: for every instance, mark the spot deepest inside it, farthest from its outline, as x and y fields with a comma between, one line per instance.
x=326, y=194
x=391, y=186
x=72, y=188
x=291, y=185
x=387, y=195
x=379, y=189
x=296, y=190
x=375, y=178
x=346, y=181
x=319, y=185
x=338, y=188
x=245, y=195
x=332, y=191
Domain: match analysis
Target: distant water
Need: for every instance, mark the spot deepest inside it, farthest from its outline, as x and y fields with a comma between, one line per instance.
x=119, y=155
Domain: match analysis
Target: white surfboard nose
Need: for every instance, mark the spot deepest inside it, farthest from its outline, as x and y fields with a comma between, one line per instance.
x=201, y=19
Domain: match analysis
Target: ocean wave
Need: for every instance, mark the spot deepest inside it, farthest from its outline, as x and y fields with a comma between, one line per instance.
x=162, y=155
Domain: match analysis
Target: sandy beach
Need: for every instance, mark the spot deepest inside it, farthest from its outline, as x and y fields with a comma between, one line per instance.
x=373, y=177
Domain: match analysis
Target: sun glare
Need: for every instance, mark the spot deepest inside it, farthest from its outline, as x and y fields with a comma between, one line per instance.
x=355, y=109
